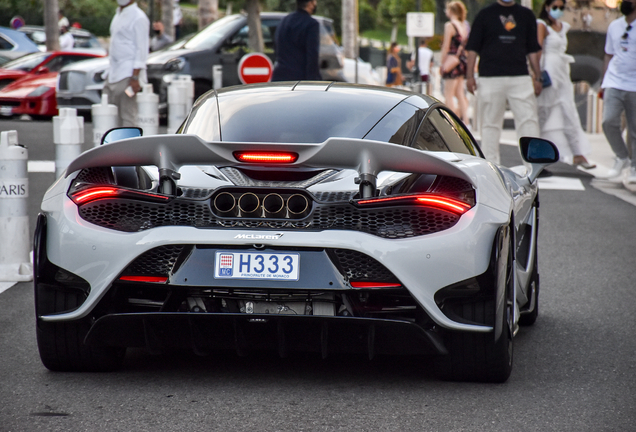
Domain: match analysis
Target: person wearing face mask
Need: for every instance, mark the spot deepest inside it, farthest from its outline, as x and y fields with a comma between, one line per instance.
x=160, y=39
x=619, y=90
x=129, y=43
x=504, y=35
x=558, y=117
x=298, y=44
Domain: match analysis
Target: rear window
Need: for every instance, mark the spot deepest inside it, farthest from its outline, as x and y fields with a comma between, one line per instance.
x=289, y=117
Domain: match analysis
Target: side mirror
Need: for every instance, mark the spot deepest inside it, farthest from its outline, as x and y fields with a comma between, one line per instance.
x=539, y=153
x=121, y=133
x=42, y=70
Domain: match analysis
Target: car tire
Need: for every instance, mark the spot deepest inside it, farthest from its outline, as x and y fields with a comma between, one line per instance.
x=480, y=357
x=61, y=344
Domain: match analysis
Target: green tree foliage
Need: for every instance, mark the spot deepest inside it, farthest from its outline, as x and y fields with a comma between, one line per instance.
x=93, y=15
x=31, y=10
x=395, y=10
x=368, y=17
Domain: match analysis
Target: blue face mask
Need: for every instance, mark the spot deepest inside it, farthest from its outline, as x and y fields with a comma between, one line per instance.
x=556, y=14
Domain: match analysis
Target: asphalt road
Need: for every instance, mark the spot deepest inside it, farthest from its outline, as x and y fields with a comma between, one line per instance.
x=574, y=370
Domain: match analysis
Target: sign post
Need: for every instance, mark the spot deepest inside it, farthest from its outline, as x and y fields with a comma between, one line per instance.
x=420, y=24
x=255, y=68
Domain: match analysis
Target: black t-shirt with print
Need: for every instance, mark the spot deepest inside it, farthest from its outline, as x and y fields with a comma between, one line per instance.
x=503, y=36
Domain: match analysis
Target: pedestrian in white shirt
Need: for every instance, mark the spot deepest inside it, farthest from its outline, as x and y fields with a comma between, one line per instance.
x=128, y=52
x=619, y=90
x=425, y=61
x=66, y=39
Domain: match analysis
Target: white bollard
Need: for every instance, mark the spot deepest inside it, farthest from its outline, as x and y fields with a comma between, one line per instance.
x=217, y=77
x=104, y=118
x=148, y=113
x=15, y=264
x=180, y=99
x=68, y=137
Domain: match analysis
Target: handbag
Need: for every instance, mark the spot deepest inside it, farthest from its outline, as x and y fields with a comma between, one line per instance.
x=450, y=63
x=545, y=79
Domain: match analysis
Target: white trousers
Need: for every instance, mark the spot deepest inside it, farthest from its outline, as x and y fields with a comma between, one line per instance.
x=492, y=94
x=126, y=105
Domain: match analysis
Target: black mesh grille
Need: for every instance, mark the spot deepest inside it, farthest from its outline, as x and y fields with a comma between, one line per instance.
x=456, y=188
x=358, y=266
x=157, y=261
x=195, y=192
x=452, y=184
x=63, y=81
x=99, y=175
x=392, y=222
x=335, y=196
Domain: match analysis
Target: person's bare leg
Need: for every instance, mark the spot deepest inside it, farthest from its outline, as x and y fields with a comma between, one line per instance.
x=462, y=100
x=449, y=93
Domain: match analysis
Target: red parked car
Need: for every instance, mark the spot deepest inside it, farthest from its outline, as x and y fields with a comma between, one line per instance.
x=27, y=84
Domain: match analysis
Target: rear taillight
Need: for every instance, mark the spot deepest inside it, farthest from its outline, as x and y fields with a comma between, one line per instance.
x=427, y=200
x=366, y=284
x=92, y=193
x=150, y=279
x=266, y=157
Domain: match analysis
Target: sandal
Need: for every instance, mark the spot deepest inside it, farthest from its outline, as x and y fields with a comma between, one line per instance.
x=583, y=163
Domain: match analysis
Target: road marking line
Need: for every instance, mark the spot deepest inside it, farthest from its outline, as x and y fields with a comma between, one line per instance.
x=561, y=183
x=6, y=285
x=41, y=166
x=615, y=189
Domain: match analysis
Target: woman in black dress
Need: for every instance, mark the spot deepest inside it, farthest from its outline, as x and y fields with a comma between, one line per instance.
x=455, y=38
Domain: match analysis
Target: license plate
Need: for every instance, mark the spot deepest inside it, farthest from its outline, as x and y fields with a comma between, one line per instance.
x=6, y=110
x=253, y=265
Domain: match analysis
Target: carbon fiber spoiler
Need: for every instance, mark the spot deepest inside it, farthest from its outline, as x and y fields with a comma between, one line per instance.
x=170, y=152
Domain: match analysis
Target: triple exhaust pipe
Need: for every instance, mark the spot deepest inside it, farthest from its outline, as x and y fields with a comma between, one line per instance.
x=271, y=205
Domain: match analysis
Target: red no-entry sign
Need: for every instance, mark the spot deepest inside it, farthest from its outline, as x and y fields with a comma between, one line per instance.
x=255, y=68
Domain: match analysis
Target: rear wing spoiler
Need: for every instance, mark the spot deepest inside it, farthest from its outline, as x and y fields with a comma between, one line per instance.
x=170, y=152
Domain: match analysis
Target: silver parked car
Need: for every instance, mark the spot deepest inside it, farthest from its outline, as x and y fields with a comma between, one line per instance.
x=80, y=85
x=14, y=44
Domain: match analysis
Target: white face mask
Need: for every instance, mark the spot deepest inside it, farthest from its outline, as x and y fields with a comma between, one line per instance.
x=123, y=3
x=556, y=14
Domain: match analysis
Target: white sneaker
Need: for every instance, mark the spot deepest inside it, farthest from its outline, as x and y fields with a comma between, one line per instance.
x=617, y=169
x=631, y=176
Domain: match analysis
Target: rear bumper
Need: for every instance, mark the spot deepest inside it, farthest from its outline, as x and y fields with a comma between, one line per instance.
x=203, y=332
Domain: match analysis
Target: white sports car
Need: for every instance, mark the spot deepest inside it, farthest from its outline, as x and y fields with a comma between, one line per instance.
x=293, y=216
